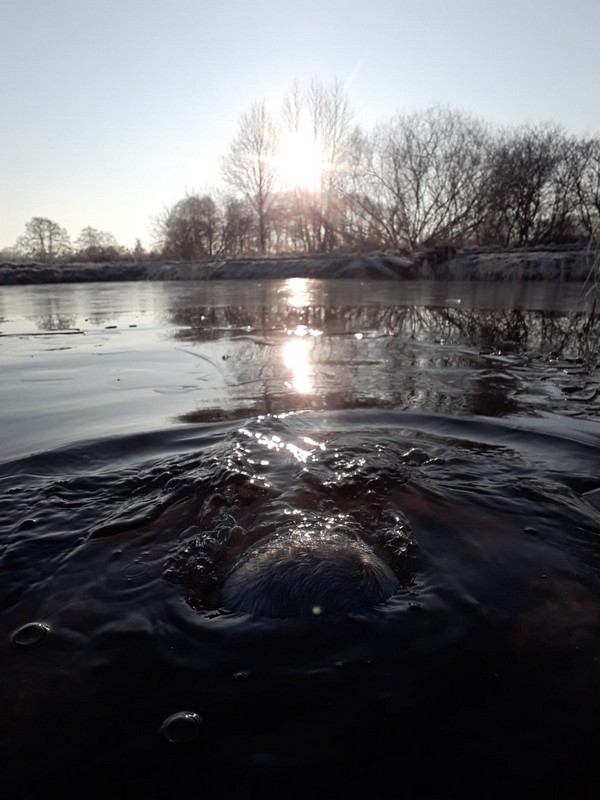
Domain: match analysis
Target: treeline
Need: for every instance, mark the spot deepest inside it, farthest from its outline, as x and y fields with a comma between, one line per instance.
x=46, y=242
x=438, y=177
x=309, y=180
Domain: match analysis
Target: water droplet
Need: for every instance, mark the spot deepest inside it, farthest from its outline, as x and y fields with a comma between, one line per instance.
x=29, y=634
x=181, y=727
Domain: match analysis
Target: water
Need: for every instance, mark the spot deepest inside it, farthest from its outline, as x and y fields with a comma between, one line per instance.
x=153, y=434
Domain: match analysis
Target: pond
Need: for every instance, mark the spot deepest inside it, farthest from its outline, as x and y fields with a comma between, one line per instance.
x=160, y=438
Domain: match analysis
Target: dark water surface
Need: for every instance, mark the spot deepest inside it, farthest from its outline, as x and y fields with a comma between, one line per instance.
x=151, y=433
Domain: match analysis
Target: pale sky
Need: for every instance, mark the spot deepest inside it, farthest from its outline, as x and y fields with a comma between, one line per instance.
x=113, y=109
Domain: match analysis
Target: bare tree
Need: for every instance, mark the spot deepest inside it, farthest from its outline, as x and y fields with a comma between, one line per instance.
x=419, y=178
x=249, y=166
x=560, y=219
x=44, y=240
x=95, y=245
x=585, y=166
x=292, y=108
x=239, y=224
x=525, y=166
x=190, y=229
x=331, y=121
x=376, y=203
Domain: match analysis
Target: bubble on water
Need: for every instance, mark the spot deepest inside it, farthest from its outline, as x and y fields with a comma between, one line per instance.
x=181, y=727
x=29, y=634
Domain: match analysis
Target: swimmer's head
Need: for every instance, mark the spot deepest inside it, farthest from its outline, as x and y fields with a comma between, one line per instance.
x=303, y=574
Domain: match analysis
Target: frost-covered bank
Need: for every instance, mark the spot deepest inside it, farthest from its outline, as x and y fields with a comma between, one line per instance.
x=557, y=263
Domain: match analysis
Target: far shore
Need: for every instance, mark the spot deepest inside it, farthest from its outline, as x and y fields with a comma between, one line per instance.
x=553, y=263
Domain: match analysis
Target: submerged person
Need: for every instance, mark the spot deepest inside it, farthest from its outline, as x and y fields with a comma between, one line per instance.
x=301, y=573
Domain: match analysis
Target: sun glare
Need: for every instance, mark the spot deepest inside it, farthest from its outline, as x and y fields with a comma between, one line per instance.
x=296, y=357
x=298, y=292
x=300, y=161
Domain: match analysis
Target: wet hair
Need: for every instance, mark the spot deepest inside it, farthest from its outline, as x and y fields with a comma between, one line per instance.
x=303, y=574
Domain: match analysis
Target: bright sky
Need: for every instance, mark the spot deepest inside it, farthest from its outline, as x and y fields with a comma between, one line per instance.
x=112, y=110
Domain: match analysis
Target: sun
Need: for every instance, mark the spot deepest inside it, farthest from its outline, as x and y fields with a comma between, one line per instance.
x=300, y=161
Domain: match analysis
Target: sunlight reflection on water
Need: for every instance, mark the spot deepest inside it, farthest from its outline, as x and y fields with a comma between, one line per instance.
x=297, y=358
x=298, y=291
x=296, y=353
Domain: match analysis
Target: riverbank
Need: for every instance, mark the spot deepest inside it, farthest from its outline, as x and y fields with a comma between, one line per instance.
x=557, y=263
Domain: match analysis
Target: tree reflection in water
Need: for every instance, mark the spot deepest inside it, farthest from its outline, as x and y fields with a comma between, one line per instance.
x=297, y=354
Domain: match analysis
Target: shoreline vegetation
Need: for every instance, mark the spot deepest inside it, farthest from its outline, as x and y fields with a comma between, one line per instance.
x=563, y=262
x=308, y=184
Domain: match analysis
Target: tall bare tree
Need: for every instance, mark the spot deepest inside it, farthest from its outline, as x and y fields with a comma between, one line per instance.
x=239, y=225
x=191, y=229
x=419, y=178
x=44, y=240
x=321, y=112
x=249, y=167
x=530, y=191
x=586, y=176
